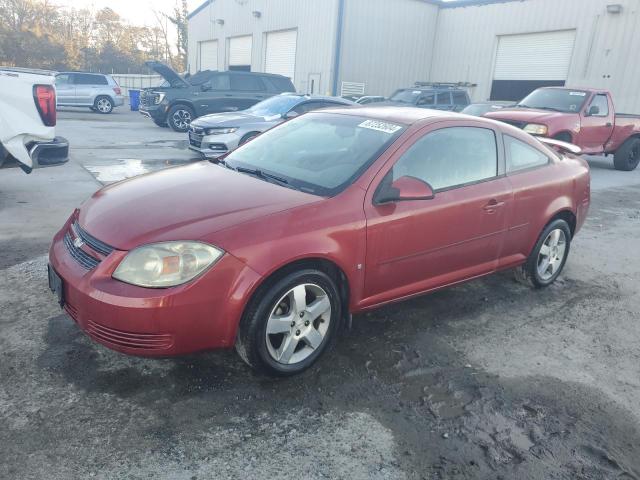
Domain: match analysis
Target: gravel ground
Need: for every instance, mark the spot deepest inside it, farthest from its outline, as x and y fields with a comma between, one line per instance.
x=486, y=380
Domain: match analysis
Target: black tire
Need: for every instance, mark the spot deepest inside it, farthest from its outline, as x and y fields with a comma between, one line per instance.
x=247, y=137
x=179, y=117
x=4, y=154
x=563, y=137
x=161, y=124
x=528, y=273
x=251, y=343
x=103, y=105
x=627, y=156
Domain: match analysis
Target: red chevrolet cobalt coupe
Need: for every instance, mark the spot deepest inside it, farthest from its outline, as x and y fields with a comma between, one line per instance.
x=332, y=213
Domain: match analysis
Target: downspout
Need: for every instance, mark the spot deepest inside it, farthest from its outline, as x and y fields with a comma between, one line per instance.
x=338, y=51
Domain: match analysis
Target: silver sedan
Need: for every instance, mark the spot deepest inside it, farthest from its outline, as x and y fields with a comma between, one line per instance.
x=214, y=135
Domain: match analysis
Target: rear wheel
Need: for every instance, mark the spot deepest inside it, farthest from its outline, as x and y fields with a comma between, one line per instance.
x=563, y=137
x=546, y=261
x=289, y=324
x=627, y=156
x=103, y=105
x=179, y=117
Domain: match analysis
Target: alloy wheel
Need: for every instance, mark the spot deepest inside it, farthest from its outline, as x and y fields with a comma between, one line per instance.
x=298, y=323
x=104, y=105
x=182, y=119
x=552, y=253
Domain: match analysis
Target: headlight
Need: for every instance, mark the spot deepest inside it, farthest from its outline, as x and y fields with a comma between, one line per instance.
x=219, y=131
x=159, y=97
x=535, y=129
x=166, y=264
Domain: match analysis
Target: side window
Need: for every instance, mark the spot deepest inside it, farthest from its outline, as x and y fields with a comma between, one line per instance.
x=246, y=83
x=602, y=103
x=277, y=84
x=451, y=157
x=63, y=79
x=459, y=98
x=444, y=98
x=220, y=82
x=427, y=99
x=88, y=79
x=521, y=155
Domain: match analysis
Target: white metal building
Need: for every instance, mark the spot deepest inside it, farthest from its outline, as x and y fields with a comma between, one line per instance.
x=506, y=47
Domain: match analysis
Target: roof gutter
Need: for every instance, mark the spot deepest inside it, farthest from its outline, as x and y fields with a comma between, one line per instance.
x=338, y=51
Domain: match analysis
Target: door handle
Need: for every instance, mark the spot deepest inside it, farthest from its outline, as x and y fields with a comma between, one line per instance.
x=492, y=206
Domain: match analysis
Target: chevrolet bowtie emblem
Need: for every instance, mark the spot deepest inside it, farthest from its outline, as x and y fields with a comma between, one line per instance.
x=78, y=242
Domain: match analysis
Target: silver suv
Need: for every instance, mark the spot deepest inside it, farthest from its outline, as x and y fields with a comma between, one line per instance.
x=100, y=93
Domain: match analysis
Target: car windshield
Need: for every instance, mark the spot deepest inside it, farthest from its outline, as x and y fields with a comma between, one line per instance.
x=555, y=99
x=406, y=96
x=319, y=153
x=277, y=105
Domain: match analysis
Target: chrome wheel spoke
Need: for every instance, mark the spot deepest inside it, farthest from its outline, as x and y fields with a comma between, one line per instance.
x=544, y=265
x=287, y=349
x=313, y=338
x=318, y=307
x=545, y=250
x=299, y=298
x=551, y=254
x=279, y=324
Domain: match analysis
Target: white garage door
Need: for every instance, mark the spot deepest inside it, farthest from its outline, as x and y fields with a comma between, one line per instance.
x=240, y=51
x=535, y=56
x=280, y=53
x=208, y=55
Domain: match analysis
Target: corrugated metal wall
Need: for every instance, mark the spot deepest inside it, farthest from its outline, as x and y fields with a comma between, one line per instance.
x=387, y=44
x=315, y=21
x=606, y=53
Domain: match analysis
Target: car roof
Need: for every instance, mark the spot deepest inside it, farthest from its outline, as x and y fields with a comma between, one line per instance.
x=404, y=115
x=317, y=97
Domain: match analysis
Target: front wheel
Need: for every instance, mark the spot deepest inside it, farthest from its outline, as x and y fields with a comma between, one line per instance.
x=627, y=156
x=289, y=324
x=179, y=118
x=103, y=105
x=548, y=257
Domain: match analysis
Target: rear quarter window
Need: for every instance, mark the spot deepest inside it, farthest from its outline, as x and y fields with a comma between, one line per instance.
x=249, y=83
x=522, y=156
x=279, y=85
x=459, y=98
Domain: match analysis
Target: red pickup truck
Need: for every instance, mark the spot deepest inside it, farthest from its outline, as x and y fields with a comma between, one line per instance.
x=582, y=116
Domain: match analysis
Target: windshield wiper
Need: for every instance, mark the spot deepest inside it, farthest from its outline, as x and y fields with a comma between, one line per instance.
x=263, y=175
x=223, y=162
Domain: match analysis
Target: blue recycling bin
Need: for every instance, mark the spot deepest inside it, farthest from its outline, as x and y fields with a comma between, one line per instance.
x=134, y=100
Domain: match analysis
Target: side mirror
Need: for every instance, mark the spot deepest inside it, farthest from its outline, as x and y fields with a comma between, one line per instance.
x=206, y=86
x=290, y=114
x=593, y=110
x=404, y=189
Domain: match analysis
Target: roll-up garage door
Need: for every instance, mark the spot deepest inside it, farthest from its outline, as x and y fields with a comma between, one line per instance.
x=240, y=53
x=280, y=53
x=529, y=61
x=208, y=55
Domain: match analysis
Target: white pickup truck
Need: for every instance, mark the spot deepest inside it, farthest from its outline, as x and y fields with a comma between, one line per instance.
x=28, y=120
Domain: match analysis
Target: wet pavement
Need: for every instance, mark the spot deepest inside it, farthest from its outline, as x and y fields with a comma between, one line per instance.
x=487, y=380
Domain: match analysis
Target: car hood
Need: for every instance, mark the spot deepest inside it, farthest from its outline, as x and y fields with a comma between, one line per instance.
x=168, y=73
x=183, y=203
x=525, y=115
x=229, y=119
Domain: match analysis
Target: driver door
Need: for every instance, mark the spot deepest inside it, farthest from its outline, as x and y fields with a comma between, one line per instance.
x=418, y=245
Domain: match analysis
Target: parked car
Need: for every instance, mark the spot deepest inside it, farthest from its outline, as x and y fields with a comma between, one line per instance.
x=582, y=116
x=217, y=134
x=332, y=213
x=436, y=96
x=367, y=99
x=480, y=108
x=181, y=99
x=101, y=93
x=28, y=120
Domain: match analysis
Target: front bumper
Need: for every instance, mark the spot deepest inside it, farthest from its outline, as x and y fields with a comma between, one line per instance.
x=213, y=146
x=200, y=315
x=156, y=112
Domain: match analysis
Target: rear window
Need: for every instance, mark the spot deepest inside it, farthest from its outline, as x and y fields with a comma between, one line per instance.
x=246, y=83
x=88, y=79
x=278, y=84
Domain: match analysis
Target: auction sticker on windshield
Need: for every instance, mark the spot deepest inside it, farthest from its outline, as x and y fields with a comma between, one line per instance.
x=578, y=94
x=380, y=126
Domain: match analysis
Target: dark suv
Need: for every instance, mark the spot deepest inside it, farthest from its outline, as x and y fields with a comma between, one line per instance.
x=180, y=99
x=437, y=96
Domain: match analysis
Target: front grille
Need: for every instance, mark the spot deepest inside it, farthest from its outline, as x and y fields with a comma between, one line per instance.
x=93, y=242
x=80, y=256
x=140, y=341
x=515, y=123
x=195, y=140
x=147, y=99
